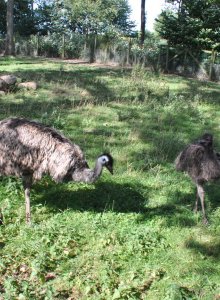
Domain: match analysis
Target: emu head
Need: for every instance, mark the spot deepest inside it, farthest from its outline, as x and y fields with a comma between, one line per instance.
x=84, y=174
x=106, y=160
x=206, y=140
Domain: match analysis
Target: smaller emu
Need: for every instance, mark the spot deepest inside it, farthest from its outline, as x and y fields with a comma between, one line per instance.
x=202, y=164
x=29, y=150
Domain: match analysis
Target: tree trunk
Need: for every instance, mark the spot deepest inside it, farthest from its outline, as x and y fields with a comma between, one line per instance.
x=38, y=45
x=92, y=48
x=167, y=60
x=10, y=48
x=213, y=56
x=143, y=21
x=63, y=46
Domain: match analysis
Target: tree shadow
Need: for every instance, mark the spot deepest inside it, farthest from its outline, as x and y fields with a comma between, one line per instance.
x=196, y=89
x=186, y=203
x=205, y=90
x=212, y=195
x=209, y=249
x=68, y=89
x=177, y=211
x=89, y=79
x=159, y=131
x=2, y=245
x=168, y=137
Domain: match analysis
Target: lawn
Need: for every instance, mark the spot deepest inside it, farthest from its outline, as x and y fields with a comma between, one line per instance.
x=132, y=235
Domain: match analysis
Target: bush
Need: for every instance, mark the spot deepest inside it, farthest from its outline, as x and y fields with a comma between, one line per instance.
x=53, y=45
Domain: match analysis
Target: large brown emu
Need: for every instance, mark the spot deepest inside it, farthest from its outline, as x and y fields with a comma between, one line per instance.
x=29, y=150
x=202, y=164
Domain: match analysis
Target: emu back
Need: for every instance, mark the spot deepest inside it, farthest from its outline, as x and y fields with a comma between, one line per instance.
x=27, y=147
x=201, y=163
x=29, y=150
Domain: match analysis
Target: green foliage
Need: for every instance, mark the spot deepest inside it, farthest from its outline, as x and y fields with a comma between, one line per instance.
x=2, y=17
x=191, y=24
x=24, y=21
x=97, y=16
x=50, y=45
x=66, y=16
x=132, y=235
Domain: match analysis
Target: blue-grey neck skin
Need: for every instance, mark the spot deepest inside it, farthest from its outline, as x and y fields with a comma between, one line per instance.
x=97, y=170
x=88, y=175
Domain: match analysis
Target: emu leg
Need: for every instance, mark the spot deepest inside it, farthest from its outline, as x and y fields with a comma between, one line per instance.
x=201, y=194
x=196, y=203
x=27, y=183
x=1, y=218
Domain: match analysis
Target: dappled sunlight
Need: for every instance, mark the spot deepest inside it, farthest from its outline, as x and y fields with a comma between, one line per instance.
x=206, y=245
x=133, y=228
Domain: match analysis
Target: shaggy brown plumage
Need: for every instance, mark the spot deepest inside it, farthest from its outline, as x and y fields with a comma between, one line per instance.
x=201, y=163
x=29, y=150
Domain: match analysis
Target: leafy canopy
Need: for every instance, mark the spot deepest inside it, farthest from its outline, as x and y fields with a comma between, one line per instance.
x=191, y=24
x=82, y=16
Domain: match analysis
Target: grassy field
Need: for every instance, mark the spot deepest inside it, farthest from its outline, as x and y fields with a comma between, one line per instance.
x=132, y=235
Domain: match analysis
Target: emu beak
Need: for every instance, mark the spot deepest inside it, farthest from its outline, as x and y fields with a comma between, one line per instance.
x=110, y=169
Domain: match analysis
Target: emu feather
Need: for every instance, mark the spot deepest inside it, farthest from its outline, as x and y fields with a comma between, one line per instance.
x=201, y=163
x=29, y=150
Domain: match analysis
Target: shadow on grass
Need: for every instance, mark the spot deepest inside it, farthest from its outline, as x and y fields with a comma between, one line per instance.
x=100, y=197
x=212, y=195
x=114, y=197
x=165, y=135
x=61, y=90
x=207, y=91
x=2, y=245
x=88, y=79
x=160, y=128
x=179, y=208
x=171, y=214
x=210, y=248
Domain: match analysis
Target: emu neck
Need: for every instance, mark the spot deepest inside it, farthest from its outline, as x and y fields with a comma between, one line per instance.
x=97, y=170
x=88, y=175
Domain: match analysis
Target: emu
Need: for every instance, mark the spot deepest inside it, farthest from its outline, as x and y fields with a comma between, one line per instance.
x=29, y=150
x=202, y=164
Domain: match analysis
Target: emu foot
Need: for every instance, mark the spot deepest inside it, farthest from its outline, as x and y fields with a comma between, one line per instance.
x=205, y=221
x=195, y=209
x=28, y=218
x=1, y=218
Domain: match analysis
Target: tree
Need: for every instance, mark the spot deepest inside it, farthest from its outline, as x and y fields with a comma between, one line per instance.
x=143, y=21
x=97, y=16
x=192, y=25
x=108, y=18
x=3, y=12
x=9, y=49
x=24, y=18
x=81, y=16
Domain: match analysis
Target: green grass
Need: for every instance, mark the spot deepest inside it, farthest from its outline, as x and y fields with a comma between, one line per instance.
x=129, y=236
